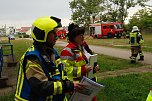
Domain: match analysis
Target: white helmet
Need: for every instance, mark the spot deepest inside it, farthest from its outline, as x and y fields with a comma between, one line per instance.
x=135, y=28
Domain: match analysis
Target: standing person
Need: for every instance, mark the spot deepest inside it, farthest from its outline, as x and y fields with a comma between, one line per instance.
x=41, y=75
x=73, y=55
x=136, y=40
x=9, y=39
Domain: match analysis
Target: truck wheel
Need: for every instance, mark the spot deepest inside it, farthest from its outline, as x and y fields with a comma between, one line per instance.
x=96, y=36
x=119, y=35
x=109, y=35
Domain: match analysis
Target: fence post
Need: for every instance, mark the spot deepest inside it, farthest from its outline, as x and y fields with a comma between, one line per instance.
x=1, y=60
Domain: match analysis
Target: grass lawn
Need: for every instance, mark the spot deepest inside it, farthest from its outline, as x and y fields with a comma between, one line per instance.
x=122, y=88
x=132, y=87
x=9, y=97
x=108, y=63
x=19, y=46
x=121, y=43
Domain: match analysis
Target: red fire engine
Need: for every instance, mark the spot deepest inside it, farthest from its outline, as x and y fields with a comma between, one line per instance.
x=108, y=29
x=61, y=34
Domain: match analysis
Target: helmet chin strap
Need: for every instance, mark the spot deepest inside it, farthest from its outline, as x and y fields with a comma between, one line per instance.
x=42, y=44
x=49, y=45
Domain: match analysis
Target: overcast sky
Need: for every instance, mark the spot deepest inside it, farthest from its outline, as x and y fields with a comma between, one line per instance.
x=23, y=12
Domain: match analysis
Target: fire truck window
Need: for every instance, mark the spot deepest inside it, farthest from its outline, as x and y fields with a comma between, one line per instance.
x=115, y=26
x=119, y=26
x=111, y=27
x=92, y=30
x=104, y=27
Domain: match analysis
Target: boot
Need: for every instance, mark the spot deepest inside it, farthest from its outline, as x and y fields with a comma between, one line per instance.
x=130, y=57
x=141, y=58
x=133, y=61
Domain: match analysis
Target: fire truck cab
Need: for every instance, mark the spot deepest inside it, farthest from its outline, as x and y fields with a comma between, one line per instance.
x=61, y=34
x=108, y=29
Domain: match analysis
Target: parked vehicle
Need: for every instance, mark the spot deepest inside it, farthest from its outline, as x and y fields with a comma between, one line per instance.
x=61, y=34
x=108, y=29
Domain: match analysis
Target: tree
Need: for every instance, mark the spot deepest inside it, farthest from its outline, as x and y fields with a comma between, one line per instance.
x=117, y=10
x=84, y=10
x=142, y=19
x=106, y=10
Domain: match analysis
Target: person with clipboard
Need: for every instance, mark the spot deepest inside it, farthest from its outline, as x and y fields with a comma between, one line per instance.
x=74, y=55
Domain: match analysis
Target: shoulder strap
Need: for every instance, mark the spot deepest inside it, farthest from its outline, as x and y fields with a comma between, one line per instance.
x=36, y=53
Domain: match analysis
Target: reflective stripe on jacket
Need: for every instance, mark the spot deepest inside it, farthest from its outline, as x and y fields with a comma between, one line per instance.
x=28, y=68
x=136, y=39
x=74, y=61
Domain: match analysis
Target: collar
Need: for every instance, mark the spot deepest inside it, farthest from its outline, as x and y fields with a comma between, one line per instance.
x=73, y=46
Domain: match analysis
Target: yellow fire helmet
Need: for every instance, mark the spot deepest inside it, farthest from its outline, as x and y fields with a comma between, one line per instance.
x=135, y=28
x=43, y=25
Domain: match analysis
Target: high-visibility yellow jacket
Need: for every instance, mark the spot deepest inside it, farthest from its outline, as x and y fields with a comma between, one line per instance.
x=136, y=39
x=149, y=98
x=40, y=78
x=74, y=61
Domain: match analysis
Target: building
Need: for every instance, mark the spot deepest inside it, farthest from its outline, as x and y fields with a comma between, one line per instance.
x=5, y=31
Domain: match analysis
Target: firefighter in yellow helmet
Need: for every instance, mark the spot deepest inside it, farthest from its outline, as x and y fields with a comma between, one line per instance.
x=41, y=76
x=136, y=41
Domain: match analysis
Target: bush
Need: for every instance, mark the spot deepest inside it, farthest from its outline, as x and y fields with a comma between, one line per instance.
x=26, y=36
x=20, y=36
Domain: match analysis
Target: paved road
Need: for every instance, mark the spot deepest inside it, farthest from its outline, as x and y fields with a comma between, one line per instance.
x=115, y=52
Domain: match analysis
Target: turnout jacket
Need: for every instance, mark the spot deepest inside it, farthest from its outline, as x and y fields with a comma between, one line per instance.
x=75, y=61
x=41, y=78
x=136, y=39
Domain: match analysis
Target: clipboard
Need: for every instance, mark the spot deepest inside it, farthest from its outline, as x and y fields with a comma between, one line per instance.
x=88, y=92
x=92, y=63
